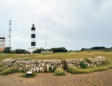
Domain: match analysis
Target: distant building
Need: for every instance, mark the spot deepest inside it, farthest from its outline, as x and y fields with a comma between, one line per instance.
x=2, y=43
x=33, y=39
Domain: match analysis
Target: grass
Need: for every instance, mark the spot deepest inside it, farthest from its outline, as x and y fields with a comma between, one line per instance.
x=1, y=69
x=9, y=71
x=68, y=55
x=75, y=70
x=59, y=72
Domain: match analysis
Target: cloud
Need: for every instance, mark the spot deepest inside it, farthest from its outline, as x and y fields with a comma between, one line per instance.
x=70, y=23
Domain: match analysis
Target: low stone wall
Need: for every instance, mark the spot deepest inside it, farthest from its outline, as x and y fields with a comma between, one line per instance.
x=32, y=65
x=50, y=65
x=88, y=62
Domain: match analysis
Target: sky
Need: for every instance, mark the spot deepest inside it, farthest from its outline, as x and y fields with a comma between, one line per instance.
x=73, y=24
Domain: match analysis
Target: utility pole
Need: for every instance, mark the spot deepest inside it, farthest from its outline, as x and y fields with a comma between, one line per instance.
x=10, y=23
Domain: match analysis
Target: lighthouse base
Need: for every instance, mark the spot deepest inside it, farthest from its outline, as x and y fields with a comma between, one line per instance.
x=32, y=49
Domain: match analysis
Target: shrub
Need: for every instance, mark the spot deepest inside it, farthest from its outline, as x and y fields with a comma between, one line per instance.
x=61, y=49
x=59, y=72
x=20, y=51
x=2, y=68
x=75, y=70
x=98, y=48
x=39, y=50
x=10, y=71
x=83, y=65
x=7, y=50
x=71, y=70
x=28, y=75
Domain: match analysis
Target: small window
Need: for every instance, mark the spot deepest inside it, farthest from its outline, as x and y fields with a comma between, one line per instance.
x=33, y=43
x=32, y=35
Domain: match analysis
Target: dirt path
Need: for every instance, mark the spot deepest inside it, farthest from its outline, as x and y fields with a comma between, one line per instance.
x=48, y=79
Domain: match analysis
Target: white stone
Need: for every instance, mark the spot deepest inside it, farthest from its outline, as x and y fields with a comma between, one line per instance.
x=29, y=72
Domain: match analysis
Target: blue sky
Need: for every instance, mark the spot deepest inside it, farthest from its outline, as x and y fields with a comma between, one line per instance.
x=70, y=23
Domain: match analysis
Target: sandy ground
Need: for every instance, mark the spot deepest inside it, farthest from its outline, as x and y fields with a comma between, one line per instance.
x=48, y=79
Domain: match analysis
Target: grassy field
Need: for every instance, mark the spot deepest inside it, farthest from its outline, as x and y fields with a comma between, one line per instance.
x=68, y=55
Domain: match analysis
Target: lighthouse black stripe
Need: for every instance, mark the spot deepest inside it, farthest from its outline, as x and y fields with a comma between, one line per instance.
x=33, y=36
x=33, y=28
x=33, y=43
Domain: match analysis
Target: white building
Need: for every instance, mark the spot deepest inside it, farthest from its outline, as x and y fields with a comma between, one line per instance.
x=2, y=43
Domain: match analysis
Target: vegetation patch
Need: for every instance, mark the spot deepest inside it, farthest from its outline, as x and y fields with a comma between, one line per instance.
x=6, y=71
x=104, y=66
x=28, y=75
x=75, y=70
x=83, y=65
x=22, y=70
x=67, y=55
x=10, y=71
x=59, y=72
x=2, y=68
x=105, y=63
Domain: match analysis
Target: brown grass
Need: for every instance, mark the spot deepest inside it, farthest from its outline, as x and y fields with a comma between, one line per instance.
x=68, y=55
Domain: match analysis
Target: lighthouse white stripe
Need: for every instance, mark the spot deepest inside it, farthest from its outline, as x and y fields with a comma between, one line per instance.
x=33, y=40
x=33, y=32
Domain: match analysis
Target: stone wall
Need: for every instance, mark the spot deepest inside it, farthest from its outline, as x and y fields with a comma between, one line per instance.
x=49, y=65
x=32, y=65
x=88, y=62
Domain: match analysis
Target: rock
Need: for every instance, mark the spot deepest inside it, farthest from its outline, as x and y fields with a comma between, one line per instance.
x=29, y=73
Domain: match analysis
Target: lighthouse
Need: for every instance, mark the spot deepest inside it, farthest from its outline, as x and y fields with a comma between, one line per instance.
x=33, y=39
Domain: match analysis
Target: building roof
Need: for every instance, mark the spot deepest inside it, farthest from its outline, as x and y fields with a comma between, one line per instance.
x=2, y=37
x=1, y=49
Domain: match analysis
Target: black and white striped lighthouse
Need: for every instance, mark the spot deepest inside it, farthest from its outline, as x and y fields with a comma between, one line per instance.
x=33, y=39
x=33, y=36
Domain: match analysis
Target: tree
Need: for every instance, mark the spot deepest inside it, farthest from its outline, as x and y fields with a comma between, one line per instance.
x=83, y=49
x=7, y=50
x=20, y=51
x=98, y=48
x=61, y=49
x=39, y=50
